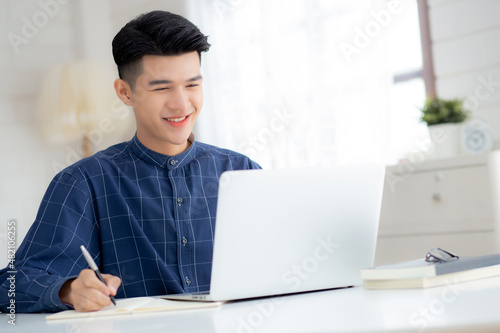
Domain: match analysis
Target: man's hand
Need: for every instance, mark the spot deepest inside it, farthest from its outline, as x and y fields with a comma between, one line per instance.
x=87, y=293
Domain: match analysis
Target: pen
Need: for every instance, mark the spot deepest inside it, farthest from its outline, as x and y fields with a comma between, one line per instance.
x=94, y=267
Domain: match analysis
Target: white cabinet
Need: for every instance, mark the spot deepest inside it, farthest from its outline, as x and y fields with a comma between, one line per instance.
x=440, y=203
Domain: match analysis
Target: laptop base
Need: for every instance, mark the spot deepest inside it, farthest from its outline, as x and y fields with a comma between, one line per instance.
x=205, y=296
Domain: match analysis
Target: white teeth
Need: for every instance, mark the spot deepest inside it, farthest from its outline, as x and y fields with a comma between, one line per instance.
x=176, y=120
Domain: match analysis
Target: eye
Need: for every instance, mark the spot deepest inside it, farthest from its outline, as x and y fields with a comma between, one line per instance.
x=160, y=89
x=192, y=85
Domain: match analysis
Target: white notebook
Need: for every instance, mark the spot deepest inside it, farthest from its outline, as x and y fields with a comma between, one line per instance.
x=134, y=305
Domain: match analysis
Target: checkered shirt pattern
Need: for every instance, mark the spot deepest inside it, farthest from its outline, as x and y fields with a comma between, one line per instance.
x=145, y=217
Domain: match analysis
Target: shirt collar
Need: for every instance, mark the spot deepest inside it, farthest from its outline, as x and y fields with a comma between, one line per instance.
x=164, y=161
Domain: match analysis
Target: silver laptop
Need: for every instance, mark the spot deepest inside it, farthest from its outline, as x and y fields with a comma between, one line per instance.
x=294, y=230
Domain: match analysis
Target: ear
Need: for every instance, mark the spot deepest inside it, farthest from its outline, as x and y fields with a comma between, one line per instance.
x=123, y=91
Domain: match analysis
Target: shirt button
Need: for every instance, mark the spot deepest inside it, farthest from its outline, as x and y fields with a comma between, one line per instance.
x=179, y=200
x=173, y=162
x=184, y=240
x=188, y=282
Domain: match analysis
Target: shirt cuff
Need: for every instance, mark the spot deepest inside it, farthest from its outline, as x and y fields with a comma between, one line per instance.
x=51, y=300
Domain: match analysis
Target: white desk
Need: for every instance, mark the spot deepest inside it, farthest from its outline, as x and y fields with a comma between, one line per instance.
x=468, y=307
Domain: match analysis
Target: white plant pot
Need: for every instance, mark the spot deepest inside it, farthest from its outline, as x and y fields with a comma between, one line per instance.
x=446, y=140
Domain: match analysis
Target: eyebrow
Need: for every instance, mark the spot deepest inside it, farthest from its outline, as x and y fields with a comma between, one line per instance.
x=157, y=82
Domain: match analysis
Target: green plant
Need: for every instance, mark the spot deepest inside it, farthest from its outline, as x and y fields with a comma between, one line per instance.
x=442, y=111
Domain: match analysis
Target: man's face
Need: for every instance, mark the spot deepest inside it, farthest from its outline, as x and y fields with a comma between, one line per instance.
x=167, y=99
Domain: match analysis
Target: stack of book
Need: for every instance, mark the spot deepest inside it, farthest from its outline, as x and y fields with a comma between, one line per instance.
x=422, y=274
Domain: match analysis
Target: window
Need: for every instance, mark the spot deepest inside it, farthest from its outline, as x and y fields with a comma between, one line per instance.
x=310, y=83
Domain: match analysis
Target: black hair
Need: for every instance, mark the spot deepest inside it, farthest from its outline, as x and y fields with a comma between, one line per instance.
x=154, y=33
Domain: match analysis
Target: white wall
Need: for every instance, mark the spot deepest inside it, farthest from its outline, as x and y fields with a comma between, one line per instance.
x=124, y=10
x=34, y=36
x=25, y=163
x=466, y=51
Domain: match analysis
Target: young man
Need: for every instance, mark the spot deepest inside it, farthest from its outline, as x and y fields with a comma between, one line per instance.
x=144, y=209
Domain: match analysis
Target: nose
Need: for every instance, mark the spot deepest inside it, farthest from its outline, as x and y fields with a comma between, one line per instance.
x=178, y=100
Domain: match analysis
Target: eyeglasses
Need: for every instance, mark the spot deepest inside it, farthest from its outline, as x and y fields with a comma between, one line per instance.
x=440, y=255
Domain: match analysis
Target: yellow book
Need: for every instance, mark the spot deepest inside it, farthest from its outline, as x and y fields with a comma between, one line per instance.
x=135, y=305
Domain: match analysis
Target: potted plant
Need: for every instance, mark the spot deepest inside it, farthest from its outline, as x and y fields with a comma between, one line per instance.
x=443, y=118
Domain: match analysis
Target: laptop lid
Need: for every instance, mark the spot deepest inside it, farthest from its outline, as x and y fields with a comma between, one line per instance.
x=294, y=230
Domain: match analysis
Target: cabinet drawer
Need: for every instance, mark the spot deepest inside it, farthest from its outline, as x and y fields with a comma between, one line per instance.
x=448, y=200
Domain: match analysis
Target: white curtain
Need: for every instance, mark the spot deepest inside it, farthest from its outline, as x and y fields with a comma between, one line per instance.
x=300, y=83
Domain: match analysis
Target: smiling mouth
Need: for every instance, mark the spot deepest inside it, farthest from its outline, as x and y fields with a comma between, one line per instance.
x=176, y=120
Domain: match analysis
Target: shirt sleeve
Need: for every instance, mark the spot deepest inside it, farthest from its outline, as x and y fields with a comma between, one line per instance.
x=246, y=163
x=50, y=253
x=253, y=165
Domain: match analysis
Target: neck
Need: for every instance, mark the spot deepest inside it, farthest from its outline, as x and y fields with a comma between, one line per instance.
x=163, y=148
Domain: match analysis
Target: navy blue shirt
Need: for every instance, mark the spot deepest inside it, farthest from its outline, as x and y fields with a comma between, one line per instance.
x=145, y=217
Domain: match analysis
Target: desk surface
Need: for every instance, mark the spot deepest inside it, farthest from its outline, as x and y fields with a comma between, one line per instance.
x=466, y=307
